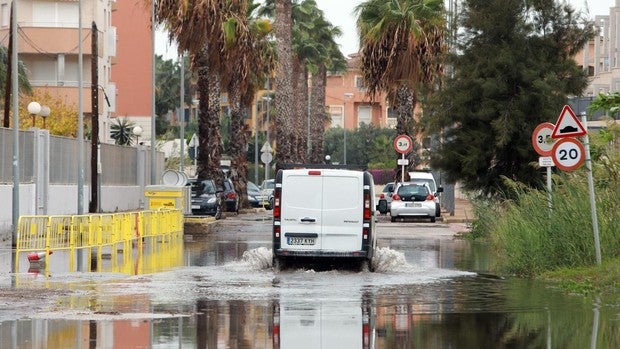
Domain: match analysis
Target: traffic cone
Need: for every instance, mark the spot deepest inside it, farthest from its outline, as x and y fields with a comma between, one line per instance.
x=37, y=256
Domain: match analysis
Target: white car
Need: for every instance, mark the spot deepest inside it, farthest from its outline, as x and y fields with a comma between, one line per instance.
x=427, y=177
x=412, y=199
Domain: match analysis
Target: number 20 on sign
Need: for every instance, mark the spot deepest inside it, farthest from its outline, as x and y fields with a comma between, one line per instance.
x=568, y=154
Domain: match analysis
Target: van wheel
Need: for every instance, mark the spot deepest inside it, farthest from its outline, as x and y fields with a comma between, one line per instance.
x=278, y=264
x=366, y=265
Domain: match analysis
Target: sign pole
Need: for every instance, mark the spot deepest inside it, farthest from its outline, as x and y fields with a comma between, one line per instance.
x=549, y=197
x=597, y=243
x=402, y=168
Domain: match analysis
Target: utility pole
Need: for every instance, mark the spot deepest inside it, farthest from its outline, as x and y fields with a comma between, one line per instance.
x=9, y=70
x=94, y=136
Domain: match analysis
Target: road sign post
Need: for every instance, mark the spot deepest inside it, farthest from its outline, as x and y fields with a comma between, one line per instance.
x=403, y=144
x=597, y=243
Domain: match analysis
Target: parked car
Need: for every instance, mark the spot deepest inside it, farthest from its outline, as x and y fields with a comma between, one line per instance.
x=267, y=188
x=254, y=195
x=206, y=198
x=413, y=199
x=427, y=177
x=231, y=199
x=385, y=198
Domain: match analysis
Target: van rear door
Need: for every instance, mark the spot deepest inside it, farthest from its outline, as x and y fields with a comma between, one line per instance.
x=322, y=210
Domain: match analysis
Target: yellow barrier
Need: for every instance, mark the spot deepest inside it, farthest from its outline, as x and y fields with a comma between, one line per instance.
x=94, y=231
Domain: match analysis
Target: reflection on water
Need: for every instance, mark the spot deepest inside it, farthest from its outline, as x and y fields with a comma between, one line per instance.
x=224, y=294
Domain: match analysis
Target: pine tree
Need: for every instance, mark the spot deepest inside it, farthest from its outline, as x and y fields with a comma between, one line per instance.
x=514, y=69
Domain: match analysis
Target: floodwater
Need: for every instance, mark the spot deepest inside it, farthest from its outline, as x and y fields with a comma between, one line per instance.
x=218, y=290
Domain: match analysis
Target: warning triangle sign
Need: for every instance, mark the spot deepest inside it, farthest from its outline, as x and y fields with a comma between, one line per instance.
x=568, y=125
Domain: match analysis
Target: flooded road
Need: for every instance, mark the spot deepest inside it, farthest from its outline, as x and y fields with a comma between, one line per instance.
x=218, y=290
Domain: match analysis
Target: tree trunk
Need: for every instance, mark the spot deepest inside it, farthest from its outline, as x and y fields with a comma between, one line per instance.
x=300, y=126
x=283, y=82
x=404, y=105
x=317, y=115
x=210, y=140
x=239, y=140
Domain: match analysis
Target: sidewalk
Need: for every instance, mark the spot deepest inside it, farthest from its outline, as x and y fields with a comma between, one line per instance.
x=463, y=212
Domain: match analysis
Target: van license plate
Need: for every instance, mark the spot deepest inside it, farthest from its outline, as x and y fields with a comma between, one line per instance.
x=300, y=241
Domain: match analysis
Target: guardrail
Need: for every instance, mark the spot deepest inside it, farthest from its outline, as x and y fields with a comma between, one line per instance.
x=40, y=236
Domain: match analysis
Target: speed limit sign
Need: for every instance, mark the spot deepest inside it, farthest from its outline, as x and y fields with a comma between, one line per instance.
x=403, y=144
x=568, y=154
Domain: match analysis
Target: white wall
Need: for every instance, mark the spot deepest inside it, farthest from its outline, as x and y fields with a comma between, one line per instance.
x=63, y=200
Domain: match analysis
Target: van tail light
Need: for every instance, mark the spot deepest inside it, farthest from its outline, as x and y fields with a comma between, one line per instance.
x=276, y=231
x=395, y=197
x=430, y=197
x=276, y=203
x=365, y=232
x=367, y=212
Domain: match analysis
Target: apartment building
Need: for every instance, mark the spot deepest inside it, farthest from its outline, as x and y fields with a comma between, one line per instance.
x=601, y=59
x=347, y=103
x=48, y=44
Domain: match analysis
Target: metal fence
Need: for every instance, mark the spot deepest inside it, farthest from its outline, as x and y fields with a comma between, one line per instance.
x=119, y=164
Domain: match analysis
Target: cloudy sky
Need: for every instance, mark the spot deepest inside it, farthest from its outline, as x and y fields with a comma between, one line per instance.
x=340, y=13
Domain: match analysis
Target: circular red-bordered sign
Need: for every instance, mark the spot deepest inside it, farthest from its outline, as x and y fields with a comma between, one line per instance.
x=541, y=139
x=403, y=144
x=568, y=154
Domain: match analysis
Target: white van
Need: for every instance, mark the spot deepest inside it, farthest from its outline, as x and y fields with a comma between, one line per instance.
x=428, y=179
x=323, y=214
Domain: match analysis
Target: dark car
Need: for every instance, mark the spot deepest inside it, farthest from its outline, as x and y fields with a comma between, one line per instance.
x=254, y=195
x=231, y=199
x=206, y=198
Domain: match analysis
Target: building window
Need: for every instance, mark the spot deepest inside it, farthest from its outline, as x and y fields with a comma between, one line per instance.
x=5, y=17
x=336, y=115
x=359, y=83
x=364, y=115
x=55, y=14
x=391, y=120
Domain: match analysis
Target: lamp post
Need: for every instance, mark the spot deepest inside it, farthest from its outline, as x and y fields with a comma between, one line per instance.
x=45, y=112
x=268, y=99
x=34, y=108
x=137, y=131
x=344, y=124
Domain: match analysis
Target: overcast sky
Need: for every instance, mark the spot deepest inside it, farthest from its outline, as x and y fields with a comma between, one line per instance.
x=340, y=14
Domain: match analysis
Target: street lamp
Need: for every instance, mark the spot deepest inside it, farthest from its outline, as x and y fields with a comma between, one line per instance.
x=137, y=131
x=45, y=112
x=34, y=108
x=344, y=124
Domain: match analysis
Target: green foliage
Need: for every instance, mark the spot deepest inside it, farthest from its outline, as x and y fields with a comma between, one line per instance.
x=532, y=238
x=122, y=132
x=507, y=79
x=167, y=87
x=366, y=145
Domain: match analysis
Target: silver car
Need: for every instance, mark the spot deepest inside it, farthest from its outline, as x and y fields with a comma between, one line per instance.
x=412, y=200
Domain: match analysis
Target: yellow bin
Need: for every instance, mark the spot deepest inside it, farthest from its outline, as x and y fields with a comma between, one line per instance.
x=164, y=196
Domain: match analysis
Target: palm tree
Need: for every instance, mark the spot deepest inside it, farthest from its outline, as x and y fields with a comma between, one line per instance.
x=122, y=132
x=401, y=41
x=284, y=100
x=197, y=28
x=5, y=83
x=246, y=44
